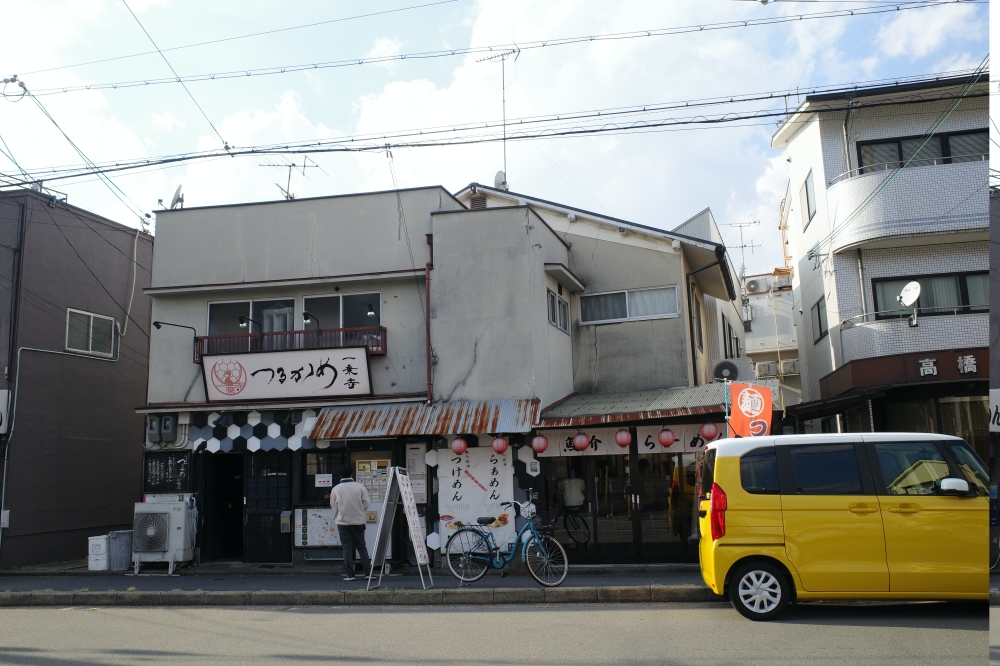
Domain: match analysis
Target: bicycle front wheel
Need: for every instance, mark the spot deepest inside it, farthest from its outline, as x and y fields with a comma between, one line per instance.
x=546, y=560
x=468, y=555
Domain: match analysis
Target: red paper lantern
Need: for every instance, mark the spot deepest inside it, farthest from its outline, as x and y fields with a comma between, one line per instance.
x=500, y=444
x=539, y=443
x=623, y=438
x=459, y=445
x=665, y=437
x=581, y=441
x=709, y=431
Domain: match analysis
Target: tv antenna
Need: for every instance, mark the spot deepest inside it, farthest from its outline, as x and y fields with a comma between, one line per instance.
x=286, y=191
x=743, y=246
x=175, y=201
x=502, y=57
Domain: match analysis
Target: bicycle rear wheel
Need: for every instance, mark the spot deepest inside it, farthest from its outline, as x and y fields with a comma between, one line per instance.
x=468, y=555
x=546, y=560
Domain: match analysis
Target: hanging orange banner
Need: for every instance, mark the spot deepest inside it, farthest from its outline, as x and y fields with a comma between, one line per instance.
x=749, y=410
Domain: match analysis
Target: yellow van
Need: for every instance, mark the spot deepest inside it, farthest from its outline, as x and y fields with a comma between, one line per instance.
x=843, y=516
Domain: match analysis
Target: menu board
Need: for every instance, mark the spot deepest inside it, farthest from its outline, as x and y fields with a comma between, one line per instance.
x=374, y=476
x=166, y=471
x=412, y=519
x=316, y=527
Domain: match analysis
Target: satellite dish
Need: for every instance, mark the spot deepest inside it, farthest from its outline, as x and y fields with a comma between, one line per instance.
x=500, y=180
x=177, y=199
x=910, y=294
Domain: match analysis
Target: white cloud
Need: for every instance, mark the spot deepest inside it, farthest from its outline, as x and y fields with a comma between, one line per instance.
x=384, y=47
x=918, y=33
x=167, y=120
x=139, y=6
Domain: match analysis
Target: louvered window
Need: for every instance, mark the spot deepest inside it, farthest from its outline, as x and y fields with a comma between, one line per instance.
x=477, y=201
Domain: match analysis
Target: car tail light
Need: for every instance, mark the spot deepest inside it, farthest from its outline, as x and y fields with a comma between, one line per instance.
x=717, y=512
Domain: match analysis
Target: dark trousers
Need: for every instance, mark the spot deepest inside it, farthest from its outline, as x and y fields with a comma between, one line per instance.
x=353, y=536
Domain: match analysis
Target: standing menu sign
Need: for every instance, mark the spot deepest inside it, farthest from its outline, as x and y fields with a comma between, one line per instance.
x=399, y=487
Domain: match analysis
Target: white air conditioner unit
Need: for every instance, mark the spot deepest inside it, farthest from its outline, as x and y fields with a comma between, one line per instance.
x=732, y=369
x=790, y=367
x=766, y=368
x=782, y=280
x=163, y=532
x=754, y=286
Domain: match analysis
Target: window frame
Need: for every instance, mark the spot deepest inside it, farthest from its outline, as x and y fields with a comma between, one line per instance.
x=553, y=305
x=698, y=325
x=756, y=453
x=810, y=186
x=628, y=317
x=944, y=137
x=862, y=456
x=90, y=334
x=954, y=471
x=826, y=320
x=964, y=309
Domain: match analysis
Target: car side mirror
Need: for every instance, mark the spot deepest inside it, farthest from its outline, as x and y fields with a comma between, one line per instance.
x=953, y=486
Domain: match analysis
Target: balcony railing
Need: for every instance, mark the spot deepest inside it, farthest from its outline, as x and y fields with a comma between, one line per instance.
x=372, y=337
x=896, y=164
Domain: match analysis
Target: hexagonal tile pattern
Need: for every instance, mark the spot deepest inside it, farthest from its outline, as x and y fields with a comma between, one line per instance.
x=219, y=432
x=287, y=430
x=253, y=418
x=308, y=444
x=260, y=431
x=213, y=445
x=253, y=444
x=226, y=444
x=295, y=442
x=274, y=430
x=199, y=419
x=323, y=444
x=212, y=418
x=267, y=418
x=240, y=444
x=240, y=418
x=246, y=430
x=196, y=443
x=268, y=443
x=233, y=431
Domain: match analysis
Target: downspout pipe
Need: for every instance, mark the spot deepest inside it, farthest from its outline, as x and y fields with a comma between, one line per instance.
x=690, y=299
x=427, y=318
x=13, y=409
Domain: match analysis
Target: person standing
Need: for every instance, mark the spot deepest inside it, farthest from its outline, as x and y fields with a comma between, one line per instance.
x=349, y=501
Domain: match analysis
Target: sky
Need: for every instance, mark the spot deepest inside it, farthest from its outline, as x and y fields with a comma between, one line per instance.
x=657, y=178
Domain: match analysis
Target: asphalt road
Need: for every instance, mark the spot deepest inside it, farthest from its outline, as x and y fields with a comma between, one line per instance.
x=994, y=635
x=544, y=634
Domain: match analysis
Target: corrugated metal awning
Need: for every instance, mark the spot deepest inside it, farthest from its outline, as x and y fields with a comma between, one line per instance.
x=440, y=418
x=598, y=408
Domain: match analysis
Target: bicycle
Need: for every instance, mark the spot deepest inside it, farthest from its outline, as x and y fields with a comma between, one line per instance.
x=473, y=549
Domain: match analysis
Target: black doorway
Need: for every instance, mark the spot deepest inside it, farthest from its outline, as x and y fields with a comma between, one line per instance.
x=223, y=521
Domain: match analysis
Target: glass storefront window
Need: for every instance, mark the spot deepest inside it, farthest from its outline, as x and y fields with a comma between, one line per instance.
x=967, y=417
x=911, y=416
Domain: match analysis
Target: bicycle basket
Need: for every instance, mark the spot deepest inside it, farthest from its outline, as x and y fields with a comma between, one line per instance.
x=545, y=514
x=528, y=511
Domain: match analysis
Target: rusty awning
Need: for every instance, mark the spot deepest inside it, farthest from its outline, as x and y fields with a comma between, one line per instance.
x=439, y=418
x=634, y=406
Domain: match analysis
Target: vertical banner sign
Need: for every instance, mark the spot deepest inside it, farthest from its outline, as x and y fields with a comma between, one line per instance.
x=413, y=520
x=473, y=484
x=398, y=487
x=750, y=410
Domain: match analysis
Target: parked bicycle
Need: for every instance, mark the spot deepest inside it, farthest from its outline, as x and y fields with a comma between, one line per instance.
x=473, y=549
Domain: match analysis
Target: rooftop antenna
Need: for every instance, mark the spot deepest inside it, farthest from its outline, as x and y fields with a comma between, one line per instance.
x=286, y=191
x=908, y=298
x=743, y=245
x=502, y=57
x=176, y=200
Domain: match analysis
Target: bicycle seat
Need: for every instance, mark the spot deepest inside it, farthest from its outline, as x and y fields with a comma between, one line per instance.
x=486, y=521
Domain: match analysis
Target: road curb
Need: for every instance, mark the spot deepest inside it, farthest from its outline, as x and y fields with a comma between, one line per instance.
x=619, y=594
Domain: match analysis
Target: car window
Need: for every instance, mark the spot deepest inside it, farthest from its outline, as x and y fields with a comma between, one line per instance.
x=707, y=472
x=971, y=466
x=829, y=469
x=911, y=468
x=759, y=471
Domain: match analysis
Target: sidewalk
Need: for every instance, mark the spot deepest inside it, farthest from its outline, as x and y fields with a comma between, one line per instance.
x=239, y=584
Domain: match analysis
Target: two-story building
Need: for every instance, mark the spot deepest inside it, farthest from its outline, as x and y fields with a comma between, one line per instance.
x=396, y=328
x=888, y=186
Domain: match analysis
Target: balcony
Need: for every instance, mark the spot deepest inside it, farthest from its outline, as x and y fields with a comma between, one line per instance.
x=887, y=337
x=372, y=337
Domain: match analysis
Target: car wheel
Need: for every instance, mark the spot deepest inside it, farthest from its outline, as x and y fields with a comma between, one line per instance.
x=759, y=591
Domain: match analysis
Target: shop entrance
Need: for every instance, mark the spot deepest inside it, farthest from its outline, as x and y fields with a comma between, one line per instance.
x=268, y=495
x=223, y=505
x=623, y=508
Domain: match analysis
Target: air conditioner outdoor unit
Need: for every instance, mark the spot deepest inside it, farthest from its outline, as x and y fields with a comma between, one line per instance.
x=790, y=367
x=753, y=286
x=732, y=369
x=766, y=368
x=782, y=280
x=163, y=532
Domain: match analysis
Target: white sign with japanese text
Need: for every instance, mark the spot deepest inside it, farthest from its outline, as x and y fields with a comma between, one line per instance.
x=687, y=438
x=994, y=410
x=472, y=485
x=305, y=373
x=413, y=520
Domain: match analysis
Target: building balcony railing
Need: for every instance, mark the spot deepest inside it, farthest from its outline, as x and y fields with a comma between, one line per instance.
x=896, y=164
x=372, y=337
x=866, y=336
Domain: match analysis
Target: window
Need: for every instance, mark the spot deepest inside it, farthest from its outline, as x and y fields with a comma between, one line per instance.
x=324, y=310
x=911, y=468
x=972, y=467
x=807, y=197
x=830, y=469
x=697, y=325
x=558, y=311
x=707, y=473
x=945, y=294
x=951, y=148
x=89, y=333
x=759, y=471
x=321, y=462
x=357, y=307
x=273, y=316
x=818, y=313
x=224, y=318
x=628, y=305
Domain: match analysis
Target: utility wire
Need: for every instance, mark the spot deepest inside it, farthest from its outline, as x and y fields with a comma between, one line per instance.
x=497, y=48
x=225, y=144
x=253, y=34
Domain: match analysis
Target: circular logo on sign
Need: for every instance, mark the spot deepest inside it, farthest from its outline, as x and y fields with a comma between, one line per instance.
x=750, y=402
x=229, y=377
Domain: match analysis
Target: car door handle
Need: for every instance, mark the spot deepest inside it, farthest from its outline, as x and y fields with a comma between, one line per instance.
x=904, y=509
x=863, y=508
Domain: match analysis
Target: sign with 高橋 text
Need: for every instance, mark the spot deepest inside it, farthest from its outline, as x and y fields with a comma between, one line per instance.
x=306, y=373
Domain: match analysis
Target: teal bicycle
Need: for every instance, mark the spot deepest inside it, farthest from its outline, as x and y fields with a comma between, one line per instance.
x=472, y=550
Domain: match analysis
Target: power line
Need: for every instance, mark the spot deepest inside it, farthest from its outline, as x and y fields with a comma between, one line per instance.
x=540, y=44
x=253, y=34
x=183, y=85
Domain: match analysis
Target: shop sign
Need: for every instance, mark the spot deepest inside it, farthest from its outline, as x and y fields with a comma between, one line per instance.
x=324, y=480
x=472, y=485
x=749, y=410
x=316, y=527
x=412, y=519
x=994, y=410
x=687, y=439
x=306, y=373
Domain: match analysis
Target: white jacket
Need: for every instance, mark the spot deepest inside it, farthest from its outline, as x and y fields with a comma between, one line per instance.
x=349, y=499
